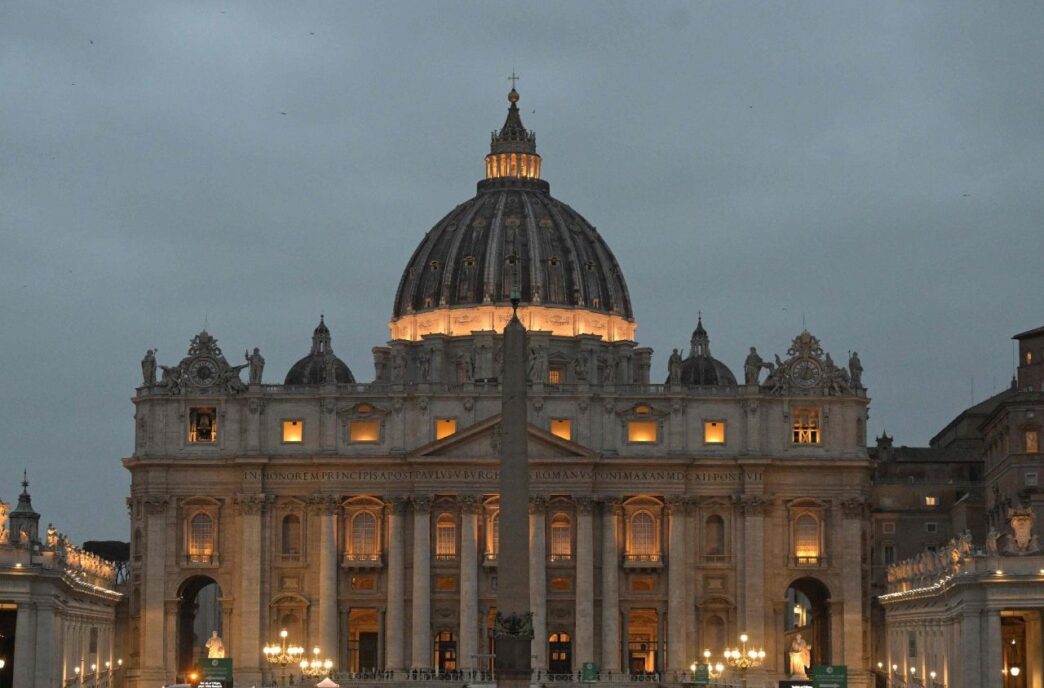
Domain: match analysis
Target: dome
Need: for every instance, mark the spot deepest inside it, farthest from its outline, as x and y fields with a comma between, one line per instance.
x=313, y=368
x=513, y=235
x=701, y=369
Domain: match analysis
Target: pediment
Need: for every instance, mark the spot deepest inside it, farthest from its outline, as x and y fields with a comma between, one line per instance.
x=482, y=441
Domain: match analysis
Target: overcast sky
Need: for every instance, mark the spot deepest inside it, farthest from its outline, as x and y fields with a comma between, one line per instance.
x=874, y=168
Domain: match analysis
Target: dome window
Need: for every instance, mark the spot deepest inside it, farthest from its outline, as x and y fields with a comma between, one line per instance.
x=553, y=261
x=590, y=266
x=469, y=262
x=434, y=265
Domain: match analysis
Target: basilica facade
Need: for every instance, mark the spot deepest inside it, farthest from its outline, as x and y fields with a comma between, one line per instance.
x=669, y=512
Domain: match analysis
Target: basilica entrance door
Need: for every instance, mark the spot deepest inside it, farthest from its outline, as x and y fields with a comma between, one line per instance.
x=642, y=641
x=559, y=653
x=446, y=652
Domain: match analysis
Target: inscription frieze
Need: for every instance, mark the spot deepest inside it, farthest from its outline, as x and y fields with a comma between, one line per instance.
x=491, y=475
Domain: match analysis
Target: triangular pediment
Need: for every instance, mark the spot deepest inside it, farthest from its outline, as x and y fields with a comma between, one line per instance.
x=482, y=441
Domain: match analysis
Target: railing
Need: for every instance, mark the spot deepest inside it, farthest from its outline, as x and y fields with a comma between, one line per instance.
x=560, y=557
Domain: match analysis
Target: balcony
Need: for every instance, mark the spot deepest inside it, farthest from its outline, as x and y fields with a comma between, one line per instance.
x=560, y=557
x=489, y=560
x=640, y=562
x=358, y=560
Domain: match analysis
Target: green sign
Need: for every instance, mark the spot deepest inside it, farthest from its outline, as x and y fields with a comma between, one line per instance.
x=214, y=673
x=829, y=676
x=589, y=672
x=701, y=676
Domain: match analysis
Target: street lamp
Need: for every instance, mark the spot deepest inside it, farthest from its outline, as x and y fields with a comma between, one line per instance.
x=317, y=667
x=282, y=654
x=743, y=658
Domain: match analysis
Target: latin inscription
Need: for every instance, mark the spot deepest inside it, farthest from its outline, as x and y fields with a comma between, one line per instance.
x=492, y=475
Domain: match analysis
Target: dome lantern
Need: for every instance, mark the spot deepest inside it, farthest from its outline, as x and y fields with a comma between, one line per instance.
x=512, y=150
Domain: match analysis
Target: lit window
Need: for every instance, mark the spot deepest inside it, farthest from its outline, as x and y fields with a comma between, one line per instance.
x=561, y=538
x=494, y=536
x=444, y=427
x=364, y=431
x=641, y=431
x=555, y=376
x=293, y=431
x=1029, y=357
x=363, y=542
x=806, y=426
x=201, y=539
x=562, y=427
x=1032, y=441
x=714, y=432
x=561, y=584
x=291, y=535
x=643, y=536
x=445, y=537
x=931, y=501
x=806, y=539
x=642, y=409
x=714, y=536
x=203, y=425
x=1031, y=479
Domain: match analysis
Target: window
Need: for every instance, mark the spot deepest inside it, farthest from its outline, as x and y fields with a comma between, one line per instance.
x=561, y=584
x=1029, y=358
x=889, y=554
x=493, y=543
x=562, y=427
x=561, y=538
x=363, y=542
x=643, y=536
x=203, y=425
x=555, y=375
x=931, y=500
x=445, y=583
x=806, y=426
x=293, y=431
x=364, y=431
x=931, y=527
x=641, y=431
x=446, y=537
x=1032, y=440
x=291, y=536
x=201, y=539
x=1031, y=479
x=714, y=432
x=444, y=427
x=714, y=536
x=806, y=539
x=888, y=527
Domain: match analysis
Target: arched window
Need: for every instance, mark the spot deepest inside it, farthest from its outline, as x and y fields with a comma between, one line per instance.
x=561, y=538
x=363, y=542
x=714, y=536
x=291, y=535
x=201, y=539
x=445, y=537
x=806, y=539
x=643, y=534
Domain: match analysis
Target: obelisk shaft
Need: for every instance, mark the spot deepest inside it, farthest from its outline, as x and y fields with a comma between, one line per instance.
x=514, y=637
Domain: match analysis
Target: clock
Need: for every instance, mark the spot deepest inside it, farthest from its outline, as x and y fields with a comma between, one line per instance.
x=806, y=372
x=203, y=371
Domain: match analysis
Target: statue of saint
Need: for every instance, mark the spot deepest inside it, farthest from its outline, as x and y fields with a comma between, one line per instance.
x=424, y=363
x=257, y=365
x=148, y=368
x=580, y=367
x=215, y=648
x=674, y=366
x=991, y=542
x=855, y=368
x=800, y=657
x=398, y=368
x=4, y=507
x=752, y=367
x=52, y=536
x=609, y=364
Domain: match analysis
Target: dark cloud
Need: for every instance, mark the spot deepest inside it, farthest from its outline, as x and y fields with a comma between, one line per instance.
x=874, y=169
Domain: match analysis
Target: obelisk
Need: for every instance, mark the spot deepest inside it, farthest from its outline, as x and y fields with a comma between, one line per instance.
x=513, y=627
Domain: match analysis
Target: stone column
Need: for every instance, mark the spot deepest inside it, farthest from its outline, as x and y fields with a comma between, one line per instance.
x=151, y=639
x=538, y=579
x=326, y=508
x=583, y=650
x=853, y=515
x=421, y=595
x=991, y=647
x=24, y=670
x=677, y=637
x=248, y=602
x=170, y=629
x=468, y=648
x=610, y=586
x=753, y=615
x=396, y=621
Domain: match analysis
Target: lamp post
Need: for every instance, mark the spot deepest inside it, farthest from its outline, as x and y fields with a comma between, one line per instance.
x=316, y=667
x=743, y=658
x=282, y=654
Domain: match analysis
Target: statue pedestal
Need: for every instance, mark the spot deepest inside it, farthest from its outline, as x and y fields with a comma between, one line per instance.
x=512, y=663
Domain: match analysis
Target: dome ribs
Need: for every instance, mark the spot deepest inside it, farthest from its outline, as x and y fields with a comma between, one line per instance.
x=454, y=265
x=492, y=253
x=537, y=285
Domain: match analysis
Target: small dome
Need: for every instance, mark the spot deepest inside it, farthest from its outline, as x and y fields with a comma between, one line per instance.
x=314, y=368
x=701, y=369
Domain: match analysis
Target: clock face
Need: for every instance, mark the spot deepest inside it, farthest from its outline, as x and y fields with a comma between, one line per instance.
x=203, y=372
x=806, y=373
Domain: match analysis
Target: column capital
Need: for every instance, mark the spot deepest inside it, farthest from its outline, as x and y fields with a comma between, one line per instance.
x=676, y=504
x=396, y=505
x=421, y=503
x=753, y=505
x=156, y=504
x=584, y=504
x=252, y=503
x=469, y=503
x=611, y=504
x=853, y=508
x=324, y=504
x=537, y=504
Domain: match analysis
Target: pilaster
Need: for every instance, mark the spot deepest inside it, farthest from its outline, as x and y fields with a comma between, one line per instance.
x=421, y=594
x=584, y=648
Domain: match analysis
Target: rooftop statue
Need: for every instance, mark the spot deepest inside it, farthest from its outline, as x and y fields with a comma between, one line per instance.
x=257, y=365
x=148, y=368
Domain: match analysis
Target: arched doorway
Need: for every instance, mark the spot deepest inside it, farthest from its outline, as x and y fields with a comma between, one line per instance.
x=199, y=615
x=445, y=652
x=559, y=653
x=807, y=614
